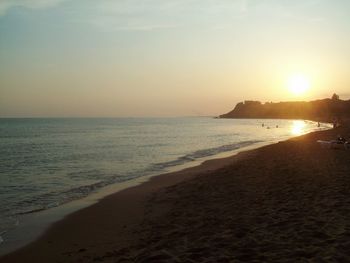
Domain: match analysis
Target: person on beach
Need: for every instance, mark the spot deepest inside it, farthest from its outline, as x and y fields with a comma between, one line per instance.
x=347, y=144
x=341, y=139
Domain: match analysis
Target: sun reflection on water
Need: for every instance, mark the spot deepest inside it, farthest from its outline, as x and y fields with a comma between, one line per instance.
x=298, y=127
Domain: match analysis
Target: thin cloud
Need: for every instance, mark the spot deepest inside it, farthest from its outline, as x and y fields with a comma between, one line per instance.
x=303, y=11
x=243, y=7
x=132, y=15
x=135, y=15
x=107, y=24
x=145, y=28
x=6, y=5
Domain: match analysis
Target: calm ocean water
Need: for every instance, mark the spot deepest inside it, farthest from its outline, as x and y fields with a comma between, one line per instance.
x=48, y=162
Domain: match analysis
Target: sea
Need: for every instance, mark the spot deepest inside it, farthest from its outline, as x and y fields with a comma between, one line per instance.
x=48, y=162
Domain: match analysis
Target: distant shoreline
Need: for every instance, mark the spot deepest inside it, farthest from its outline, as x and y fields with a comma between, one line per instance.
x=325, y=110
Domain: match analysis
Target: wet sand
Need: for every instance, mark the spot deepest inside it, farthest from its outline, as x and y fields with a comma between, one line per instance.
x=287, y=202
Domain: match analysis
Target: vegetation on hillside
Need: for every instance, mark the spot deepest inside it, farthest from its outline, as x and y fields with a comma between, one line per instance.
x=319, y=110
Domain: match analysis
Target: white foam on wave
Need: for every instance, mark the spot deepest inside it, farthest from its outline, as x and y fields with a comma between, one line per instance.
x=1, y=239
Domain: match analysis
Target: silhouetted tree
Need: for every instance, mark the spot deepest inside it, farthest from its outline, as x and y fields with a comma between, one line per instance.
x=335, y=97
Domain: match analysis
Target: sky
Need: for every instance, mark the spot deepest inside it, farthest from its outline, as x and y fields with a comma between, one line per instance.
x=128, y=58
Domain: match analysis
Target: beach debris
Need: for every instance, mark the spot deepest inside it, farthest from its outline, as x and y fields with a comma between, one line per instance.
x=340, y=142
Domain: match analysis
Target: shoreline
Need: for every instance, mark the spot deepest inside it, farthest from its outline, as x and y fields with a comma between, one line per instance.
x=14, y=238
x=13, y=222
x=146, y=185
x=36, y=224
x=121, y=224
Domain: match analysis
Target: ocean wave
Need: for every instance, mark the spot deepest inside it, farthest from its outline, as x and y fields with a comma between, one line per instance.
x=203, y=153
x=1, y=239
x=56, y=198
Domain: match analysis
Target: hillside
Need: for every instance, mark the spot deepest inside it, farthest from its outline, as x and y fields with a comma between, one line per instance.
x=318, y=110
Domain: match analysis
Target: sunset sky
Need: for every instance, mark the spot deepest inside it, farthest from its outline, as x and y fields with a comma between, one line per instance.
x=128, y=58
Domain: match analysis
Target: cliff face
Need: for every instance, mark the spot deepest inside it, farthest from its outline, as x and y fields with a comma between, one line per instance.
x=322, y=110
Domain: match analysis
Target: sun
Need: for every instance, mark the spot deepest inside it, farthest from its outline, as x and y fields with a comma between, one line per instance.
x=298, y=84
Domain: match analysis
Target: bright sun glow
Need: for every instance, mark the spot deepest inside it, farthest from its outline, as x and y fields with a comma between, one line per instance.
x=298, y=84
x=298, y=127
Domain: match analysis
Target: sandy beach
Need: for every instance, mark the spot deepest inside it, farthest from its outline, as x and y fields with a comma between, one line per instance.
x=287, y=202
x=174, y=131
